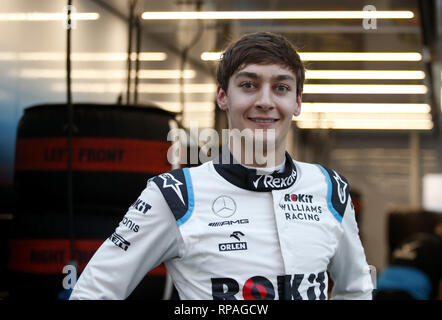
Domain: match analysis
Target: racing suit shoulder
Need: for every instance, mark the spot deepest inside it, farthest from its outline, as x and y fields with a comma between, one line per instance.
x=338, y=192
x=176, y=188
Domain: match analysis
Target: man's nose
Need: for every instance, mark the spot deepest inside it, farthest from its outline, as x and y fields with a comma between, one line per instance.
x=265, y=99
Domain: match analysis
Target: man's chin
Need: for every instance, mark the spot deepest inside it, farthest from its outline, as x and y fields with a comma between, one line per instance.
x=264, y=136
x=256, y=138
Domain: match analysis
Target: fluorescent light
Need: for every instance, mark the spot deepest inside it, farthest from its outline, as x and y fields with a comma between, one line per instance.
x=45, y=16
x=365, y=74
x=362, y=116
x=167, y=74
x=106, y=74
x=117, y=56
x=339, y=56
x=258, y=15
x=364, y=89
x=7, y=56
x=367, y=124
x=80, y=56
x=336, y=119
x=365, y=107
x=360, y=56
x=211, y=56
x=211, y=88
x=175, y=88
x=152, y=88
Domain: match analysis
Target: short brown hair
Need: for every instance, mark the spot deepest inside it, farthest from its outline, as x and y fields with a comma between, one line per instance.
x=260, y=48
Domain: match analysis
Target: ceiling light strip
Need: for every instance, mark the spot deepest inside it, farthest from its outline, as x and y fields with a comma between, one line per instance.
x=364, y=89
x=258, y=15
x=363, y=116
x=367, y=125
x=166, y=88
x=339, y=56
x=366, y=107
x=46, y=16
x=360, y=56
x=366, y=74
x=80, y=56
x=151, y=88
x=104, y=74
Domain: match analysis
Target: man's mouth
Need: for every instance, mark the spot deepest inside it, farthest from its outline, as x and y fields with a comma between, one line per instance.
x=263, y=120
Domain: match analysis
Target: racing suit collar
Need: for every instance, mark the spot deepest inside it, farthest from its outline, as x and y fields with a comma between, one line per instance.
x=249, y=179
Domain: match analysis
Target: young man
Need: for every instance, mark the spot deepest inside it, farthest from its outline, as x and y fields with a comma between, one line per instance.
x=241, y=230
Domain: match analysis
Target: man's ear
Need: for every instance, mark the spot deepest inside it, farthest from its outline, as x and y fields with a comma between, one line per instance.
x=298, y=105
x=221, y=98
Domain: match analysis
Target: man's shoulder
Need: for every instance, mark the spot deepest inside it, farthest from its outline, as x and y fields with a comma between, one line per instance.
x=338, y=191
x=182, y=175
x=337, y=188
x=315, y=168
x=176, y=187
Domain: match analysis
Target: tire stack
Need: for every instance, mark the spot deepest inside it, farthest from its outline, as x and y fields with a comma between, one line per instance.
x=115, y=150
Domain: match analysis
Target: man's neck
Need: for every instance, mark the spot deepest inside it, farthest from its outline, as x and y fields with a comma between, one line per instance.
x=264, y=159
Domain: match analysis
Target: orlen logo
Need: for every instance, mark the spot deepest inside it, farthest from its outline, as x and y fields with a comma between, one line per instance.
x=288, y=287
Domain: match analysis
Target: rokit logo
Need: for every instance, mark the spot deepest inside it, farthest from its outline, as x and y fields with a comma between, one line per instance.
x=119, y=241
x=276, y=183
x=306, y=198
x=234, y=246
x=141, y=206
x=311, y=286
x=300, y=207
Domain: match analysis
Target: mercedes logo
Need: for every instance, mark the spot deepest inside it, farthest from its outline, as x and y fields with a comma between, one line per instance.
x=224, y=206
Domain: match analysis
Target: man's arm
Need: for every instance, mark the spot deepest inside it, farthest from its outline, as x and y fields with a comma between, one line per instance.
x=348, y=268
x=147, y=236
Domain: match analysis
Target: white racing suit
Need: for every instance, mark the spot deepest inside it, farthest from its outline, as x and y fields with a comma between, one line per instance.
x=225, y=232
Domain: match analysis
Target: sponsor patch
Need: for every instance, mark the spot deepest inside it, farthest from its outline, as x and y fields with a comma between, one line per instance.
x=119, y=241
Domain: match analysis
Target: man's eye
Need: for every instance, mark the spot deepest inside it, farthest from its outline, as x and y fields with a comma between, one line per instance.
x=282, y=88
x=247, y=85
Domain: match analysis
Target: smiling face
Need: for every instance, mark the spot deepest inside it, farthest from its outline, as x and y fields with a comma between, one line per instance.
x=262, y=96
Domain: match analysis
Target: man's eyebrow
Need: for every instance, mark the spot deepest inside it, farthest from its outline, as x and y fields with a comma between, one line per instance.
x=246, y=74
x=254, y=75
x=284, y=77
